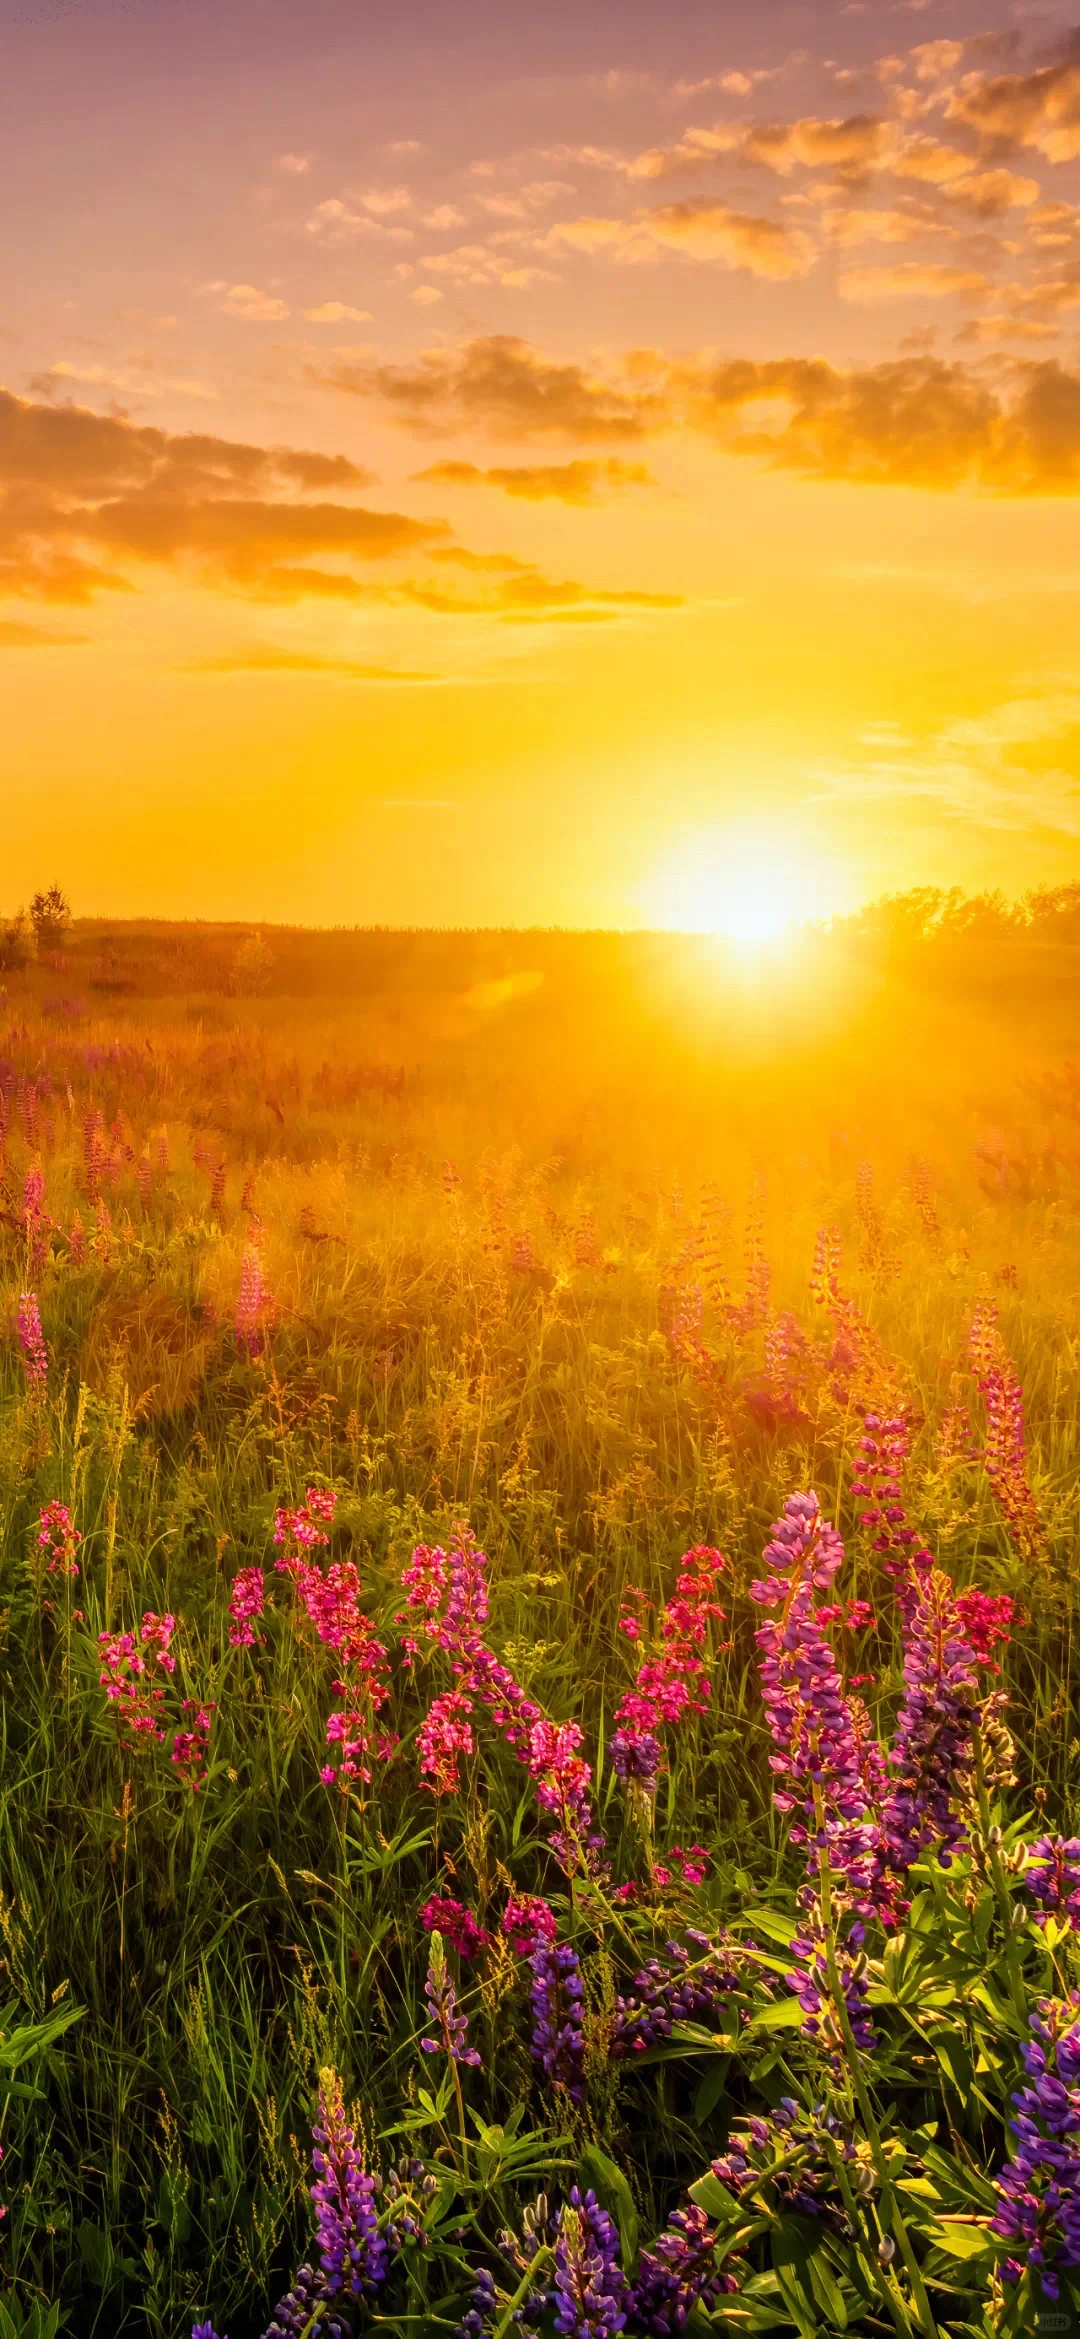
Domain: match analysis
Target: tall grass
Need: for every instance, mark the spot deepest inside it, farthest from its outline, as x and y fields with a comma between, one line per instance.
x=505, y=1230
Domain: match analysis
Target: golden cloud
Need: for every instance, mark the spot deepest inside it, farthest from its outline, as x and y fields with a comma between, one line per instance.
x=911, y=280
x=1039, y=109
x=582, y=482
x=500, y=384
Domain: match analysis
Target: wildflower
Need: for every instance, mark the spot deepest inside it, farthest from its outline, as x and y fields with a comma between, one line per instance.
x=691, y=1865
x=790, y=2156
x=456, y=1923
x=60, y=1538
x=352, y=2252
x=1052, y=1877
x=255, y=1305
x=932, y=1747
x=246, y=1602
x=590, y=2294
x=441, y=1996
x=1039, y=2192
x=987, y=1619
x=445, y=1734
x=1005, y=1452
x=672, y=1682
x=191, y=1746
x=130, y=1663
x=526, y=1920
x=205, y=2331
x=678, y=2273
x=77, y=1242
x=35, y=1355
x=883, y=1451
x=819, y=1759
x=302, y=1530
x=684, y=1989
x=293, y=2317
x=558, y=2040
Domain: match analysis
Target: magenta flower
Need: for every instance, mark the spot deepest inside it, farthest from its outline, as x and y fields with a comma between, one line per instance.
x=130, y=1665
x=247, y=1600
x=456, y=1923
x=445, y=1734
x=35, y=1355
x=883, y=1451
x=526, y=1920
x=191, y=1746
x=256, y=1306
x=60, y=1538
x=672, y=1682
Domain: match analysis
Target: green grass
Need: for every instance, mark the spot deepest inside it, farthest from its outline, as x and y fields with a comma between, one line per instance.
x=224, y=1947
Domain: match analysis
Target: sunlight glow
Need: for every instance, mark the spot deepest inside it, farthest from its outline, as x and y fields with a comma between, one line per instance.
x=750, y=890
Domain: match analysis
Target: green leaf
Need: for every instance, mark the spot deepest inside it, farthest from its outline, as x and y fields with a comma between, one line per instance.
x=783, y=2014
x=711, y=2089
x=614, y=2194
x=791, y=2266
x=961, y=2241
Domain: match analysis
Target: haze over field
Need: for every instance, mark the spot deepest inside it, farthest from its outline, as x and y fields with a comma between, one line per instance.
x=492, y=465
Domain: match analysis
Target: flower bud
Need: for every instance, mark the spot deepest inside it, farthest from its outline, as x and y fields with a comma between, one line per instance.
x=886, y=2250
x=1018, y=1919
x=994, y=1837
x=864, y=2181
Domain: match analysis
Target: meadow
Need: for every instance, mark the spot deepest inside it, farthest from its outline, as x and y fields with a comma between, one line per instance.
x=410, y=1343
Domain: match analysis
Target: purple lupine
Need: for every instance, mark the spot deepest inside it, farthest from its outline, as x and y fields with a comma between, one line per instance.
x=680, y=1990
x=932, y=1746
x=352, y=2252
x=292, y=2314
x=590, y=2292
x=539, y=2231
x=821, y=1758
x=882, y=1452
x=205, y=2331
x=450, y=2023
x=558, y=2040
x=1052, y=1877
x=792, y=2152
x=677, y=2274
x=811, y=1983
x=1039, y=2192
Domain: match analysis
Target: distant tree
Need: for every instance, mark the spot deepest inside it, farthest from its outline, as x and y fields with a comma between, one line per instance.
x=50, y=916
x=981, y=917
x=1054, y=912
x=252, y=967
x=17, y=943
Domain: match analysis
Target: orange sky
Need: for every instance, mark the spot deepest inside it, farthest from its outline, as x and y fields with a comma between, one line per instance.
x=460, y=468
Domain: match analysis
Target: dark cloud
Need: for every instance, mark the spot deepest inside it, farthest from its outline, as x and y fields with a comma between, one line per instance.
x=83, y=494
x=500, y=384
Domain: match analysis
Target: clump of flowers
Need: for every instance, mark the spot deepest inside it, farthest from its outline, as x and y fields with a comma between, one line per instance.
x=693, y=1985
x=456, y=1923
x=352, y=2252
x=58, y=1538
x=932, y=1747
x=590, y=2293
x=678, y=2273
x=131, y=1666
x=446, y=1602
x=303, y=1530
x=1052, y=1877
x=1039, y=2192
x=444, y=1735
x=1005, y=1452
x=256, y=1307
x=672, y=1682
x=247, y=1600
x=191, y=1743
x=557, y=1993
x=35, y=1355
x=883, y=1450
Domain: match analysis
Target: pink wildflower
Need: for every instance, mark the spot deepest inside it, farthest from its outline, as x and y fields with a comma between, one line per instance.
x=456, y=1923
x=246, y=1602
x=60, y=1538
x=672, y=1682
x=130, y=1664
x=526, y=1920
x=32, y=1342
x=444, y=1735
x=190, y=1747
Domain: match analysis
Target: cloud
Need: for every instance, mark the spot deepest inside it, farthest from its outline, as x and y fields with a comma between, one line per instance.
x=444, y=216
x=1039, y=110
x=295, y=164
x=338, y=222
x=335, y=312
x=578, y=483
x=500, y=384
x=385, y=200
x=914, y=421
x=245, y=300
x=14, y=635
x=911, y=280
x=84, y=495
x=852, y=224
x=702, y=229
x=268, y=658
x=426, y=295
x=136, y=378
x=851, y=145
x=484, y=264
x=992, y=770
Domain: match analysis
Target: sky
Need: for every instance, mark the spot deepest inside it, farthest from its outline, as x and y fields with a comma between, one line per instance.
x=585, y=465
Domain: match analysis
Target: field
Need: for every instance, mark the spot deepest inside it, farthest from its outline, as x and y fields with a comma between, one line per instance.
x=584, y=1253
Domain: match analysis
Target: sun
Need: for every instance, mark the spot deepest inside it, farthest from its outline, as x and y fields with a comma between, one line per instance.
x=750, y=890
